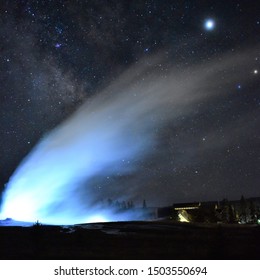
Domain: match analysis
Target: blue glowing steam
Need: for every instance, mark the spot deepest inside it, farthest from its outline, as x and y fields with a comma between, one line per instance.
x=117, y=124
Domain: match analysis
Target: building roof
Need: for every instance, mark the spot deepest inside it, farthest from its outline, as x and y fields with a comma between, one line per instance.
x=187, y=206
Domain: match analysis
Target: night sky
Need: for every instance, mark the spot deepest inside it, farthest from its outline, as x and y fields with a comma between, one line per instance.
x=56, y=55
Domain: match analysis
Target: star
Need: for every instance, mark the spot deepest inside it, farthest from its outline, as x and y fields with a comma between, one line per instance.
x=209, y=24
x=255, y=71
x=57, y=45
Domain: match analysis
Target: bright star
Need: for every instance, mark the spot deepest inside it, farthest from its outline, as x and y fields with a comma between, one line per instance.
x=58, y=45
x=209, y=24
x=255, y=71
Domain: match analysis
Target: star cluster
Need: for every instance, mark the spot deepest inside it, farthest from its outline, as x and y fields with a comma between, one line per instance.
x=56, y=55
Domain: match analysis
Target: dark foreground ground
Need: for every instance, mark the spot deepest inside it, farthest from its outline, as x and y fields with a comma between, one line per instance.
x=131, y=240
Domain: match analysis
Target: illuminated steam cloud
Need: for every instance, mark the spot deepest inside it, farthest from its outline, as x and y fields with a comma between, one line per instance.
x=117, y=124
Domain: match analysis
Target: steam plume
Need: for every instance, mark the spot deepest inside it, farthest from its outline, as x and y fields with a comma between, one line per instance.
x=115, y=125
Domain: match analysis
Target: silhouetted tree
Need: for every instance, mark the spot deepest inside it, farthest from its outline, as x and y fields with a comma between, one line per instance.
x=123, y=205
x=258, y=212
x=211, y=216
x=231, y=214
x=243, y=210
x=253, y=213
x=117, y=204
x=144, y=204
x=225, y=211
x=37, y=224
x=130, y=204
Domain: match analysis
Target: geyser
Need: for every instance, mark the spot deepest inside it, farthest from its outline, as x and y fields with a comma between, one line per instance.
x=115, y=125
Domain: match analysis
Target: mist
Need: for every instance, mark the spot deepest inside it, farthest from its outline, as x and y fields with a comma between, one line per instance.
x=106, y=136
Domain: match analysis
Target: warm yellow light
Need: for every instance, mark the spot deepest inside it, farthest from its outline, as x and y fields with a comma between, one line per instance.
x=182, y=218
x=186, y=208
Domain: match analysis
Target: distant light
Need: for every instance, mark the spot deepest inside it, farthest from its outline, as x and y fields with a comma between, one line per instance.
x=239, y=86
x=255, y=71
x=209, y=24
